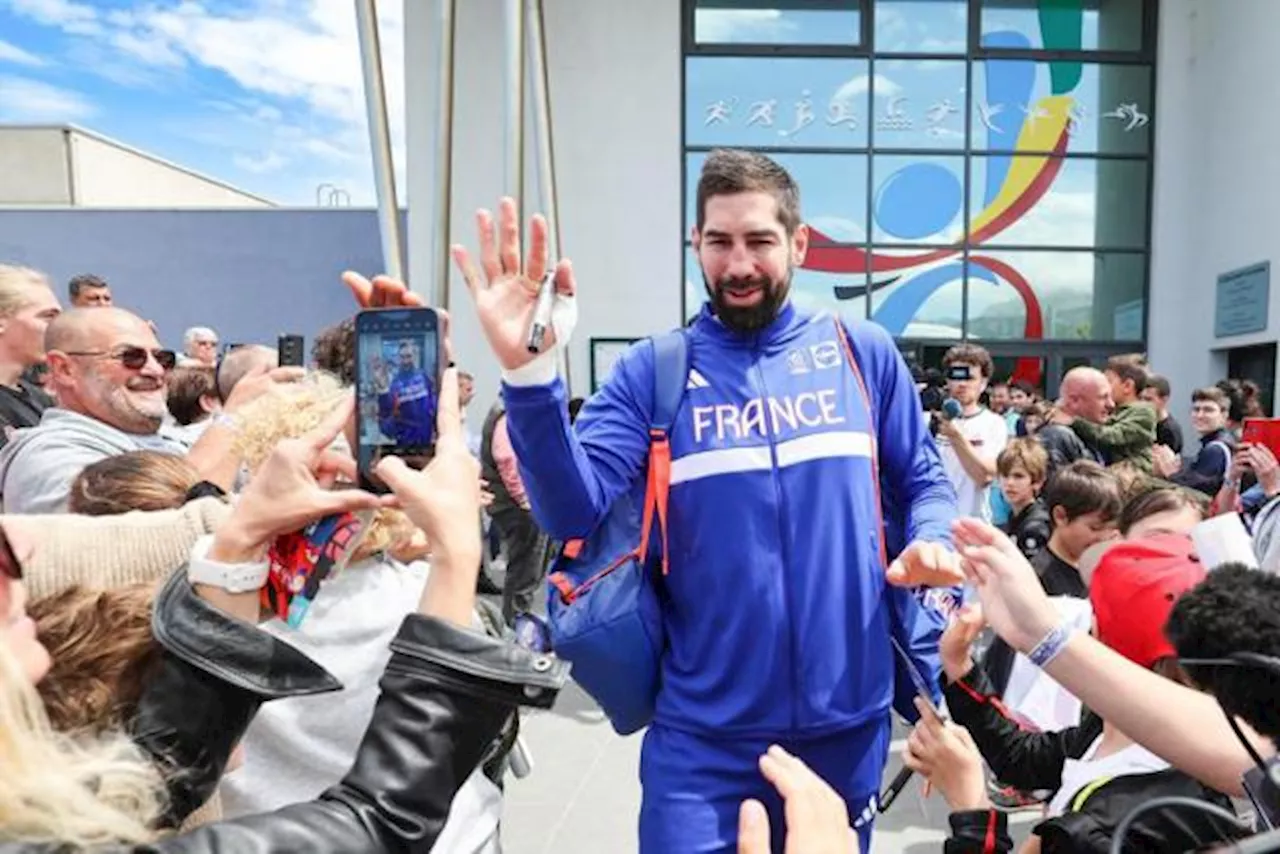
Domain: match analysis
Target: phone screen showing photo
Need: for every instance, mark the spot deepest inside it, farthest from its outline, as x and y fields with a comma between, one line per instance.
x=398, y=369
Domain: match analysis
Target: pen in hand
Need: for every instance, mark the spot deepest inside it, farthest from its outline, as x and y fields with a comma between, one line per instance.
x=542, y=312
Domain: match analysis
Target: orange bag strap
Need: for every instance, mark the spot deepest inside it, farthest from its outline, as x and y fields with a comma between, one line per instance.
x=875, y=440
x=656, y=492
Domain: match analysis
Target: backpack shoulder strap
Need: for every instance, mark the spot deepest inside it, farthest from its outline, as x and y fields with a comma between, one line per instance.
x=670, y=374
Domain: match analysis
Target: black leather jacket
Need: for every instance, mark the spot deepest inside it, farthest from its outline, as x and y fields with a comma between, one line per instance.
x=446, y=694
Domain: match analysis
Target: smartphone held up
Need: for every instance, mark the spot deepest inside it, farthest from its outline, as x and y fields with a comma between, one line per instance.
x=399, y=362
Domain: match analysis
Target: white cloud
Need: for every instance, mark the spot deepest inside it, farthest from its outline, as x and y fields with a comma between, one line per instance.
x=299, y=60
x=857, y=86
x=33, y=101
x=16, y=55
x=269, y=162
x=73, y=17
x=738, y=25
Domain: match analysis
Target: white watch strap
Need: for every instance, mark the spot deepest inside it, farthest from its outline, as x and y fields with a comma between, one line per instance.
x=232, y=577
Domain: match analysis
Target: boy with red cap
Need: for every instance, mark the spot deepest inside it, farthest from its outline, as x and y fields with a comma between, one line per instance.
x=1097, y=772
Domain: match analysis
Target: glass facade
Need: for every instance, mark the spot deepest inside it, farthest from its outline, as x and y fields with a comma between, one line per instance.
x=969, y=168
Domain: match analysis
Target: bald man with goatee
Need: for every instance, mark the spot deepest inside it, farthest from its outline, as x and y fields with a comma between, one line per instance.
x=1085, y=393
x=108, y=371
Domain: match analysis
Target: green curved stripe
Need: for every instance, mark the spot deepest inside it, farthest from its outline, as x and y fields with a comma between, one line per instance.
x=1062, y=28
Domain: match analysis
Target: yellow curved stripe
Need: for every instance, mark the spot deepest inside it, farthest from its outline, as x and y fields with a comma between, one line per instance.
x=1038, y=135
x=1077, y=802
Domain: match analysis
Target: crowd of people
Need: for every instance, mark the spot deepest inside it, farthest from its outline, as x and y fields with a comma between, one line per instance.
x=1019, y=578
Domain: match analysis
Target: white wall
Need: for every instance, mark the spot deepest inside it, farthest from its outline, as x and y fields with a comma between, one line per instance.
x=33, y=167
x=1217, y=177
x=614, y=69
x=107, y=175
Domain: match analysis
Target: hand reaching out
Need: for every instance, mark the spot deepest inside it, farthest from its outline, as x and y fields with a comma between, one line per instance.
x=444, y=501
x=1013, y=600
x=817, y=819
x=924, y=564
x=291, y=489
x=957, y=642
x=945, y=755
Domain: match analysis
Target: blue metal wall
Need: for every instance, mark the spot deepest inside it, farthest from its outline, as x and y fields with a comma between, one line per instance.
x=249, y=274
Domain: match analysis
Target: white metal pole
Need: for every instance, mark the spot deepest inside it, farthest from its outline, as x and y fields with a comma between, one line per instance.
x=547, y=186
x=513, y=115
x=442, y=217
x=380, y=138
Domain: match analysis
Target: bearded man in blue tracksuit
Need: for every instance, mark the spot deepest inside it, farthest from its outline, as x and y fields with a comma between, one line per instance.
x=778, y=608
x=406, y=403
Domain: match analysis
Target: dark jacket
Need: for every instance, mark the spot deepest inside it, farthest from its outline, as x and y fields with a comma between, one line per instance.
x=446, y=694
x=1206, y=472
x=1031, y=761
x=1063, y=447
x=1030, y=529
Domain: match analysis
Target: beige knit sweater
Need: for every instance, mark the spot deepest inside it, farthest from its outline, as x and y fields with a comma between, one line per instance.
x=112, y=551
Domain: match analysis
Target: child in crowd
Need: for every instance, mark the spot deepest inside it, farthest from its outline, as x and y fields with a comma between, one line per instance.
x=1084, y=503
x=1022, y=466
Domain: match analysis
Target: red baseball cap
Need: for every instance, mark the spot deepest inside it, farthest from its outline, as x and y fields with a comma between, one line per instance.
x=1134, y=588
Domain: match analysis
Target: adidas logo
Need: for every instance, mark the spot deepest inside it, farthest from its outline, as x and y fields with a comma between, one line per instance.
x=696, y=380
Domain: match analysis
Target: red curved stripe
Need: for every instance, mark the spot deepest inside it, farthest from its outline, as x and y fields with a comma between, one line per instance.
x=1028, y=369
x=850, y=259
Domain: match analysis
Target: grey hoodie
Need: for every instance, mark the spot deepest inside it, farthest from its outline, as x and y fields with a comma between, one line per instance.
x=40, y=463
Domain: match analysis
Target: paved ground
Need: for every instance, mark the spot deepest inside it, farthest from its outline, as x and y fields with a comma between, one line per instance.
x=584, y=794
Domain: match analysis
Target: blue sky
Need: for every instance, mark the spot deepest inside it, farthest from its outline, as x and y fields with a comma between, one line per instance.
x=263, y=94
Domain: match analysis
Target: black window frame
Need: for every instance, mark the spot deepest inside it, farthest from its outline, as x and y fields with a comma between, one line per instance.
x=1144, y=56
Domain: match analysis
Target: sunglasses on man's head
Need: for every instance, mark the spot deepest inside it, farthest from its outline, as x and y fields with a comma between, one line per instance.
x=134, y=358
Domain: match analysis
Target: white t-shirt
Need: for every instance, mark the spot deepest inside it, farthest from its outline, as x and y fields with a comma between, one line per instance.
x=987, y=433
x=1080, y=773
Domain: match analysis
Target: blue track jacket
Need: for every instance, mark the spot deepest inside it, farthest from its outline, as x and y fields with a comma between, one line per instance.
x=777, y=614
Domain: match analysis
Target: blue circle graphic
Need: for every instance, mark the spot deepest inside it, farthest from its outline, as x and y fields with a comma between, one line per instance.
x=918, y=201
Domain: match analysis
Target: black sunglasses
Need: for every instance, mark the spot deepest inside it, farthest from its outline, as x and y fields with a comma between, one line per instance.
x=133, y=358
x=9, y=565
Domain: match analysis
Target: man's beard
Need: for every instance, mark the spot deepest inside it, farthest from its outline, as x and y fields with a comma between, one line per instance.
x=751, y=318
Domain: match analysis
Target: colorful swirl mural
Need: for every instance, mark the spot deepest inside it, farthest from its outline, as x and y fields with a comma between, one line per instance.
x=920, y=198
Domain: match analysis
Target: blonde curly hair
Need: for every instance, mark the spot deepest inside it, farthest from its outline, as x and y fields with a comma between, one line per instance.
x=59, y=789
x=292, y=410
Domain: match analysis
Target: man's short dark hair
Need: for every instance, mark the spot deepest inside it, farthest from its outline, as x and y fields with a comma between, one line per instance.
x=1130, y=369
x=1084, y=487
x=186, y=386
x=1235, y=609
x=970, y=354
x=334, y=351
x=84, y=282
x=1025, y=387
x=1212, y=394
x=729, y=171
x=1160, y=385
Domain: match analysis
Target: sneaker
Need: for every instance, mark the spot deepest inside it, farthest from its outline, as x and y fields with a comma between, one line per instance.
x=1008, y=798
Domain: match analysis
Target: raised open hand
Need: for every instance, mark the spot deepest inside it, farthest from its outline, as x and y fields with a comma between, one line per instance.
x=507, y=292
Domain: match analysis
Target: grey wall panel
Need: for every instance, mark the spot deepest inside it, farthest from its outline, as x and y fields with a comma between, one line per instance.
x=249, y=274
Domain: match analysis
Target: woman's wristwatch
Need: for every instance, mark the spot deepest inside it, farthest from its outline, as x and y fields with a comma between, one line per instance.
x=231, y=577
